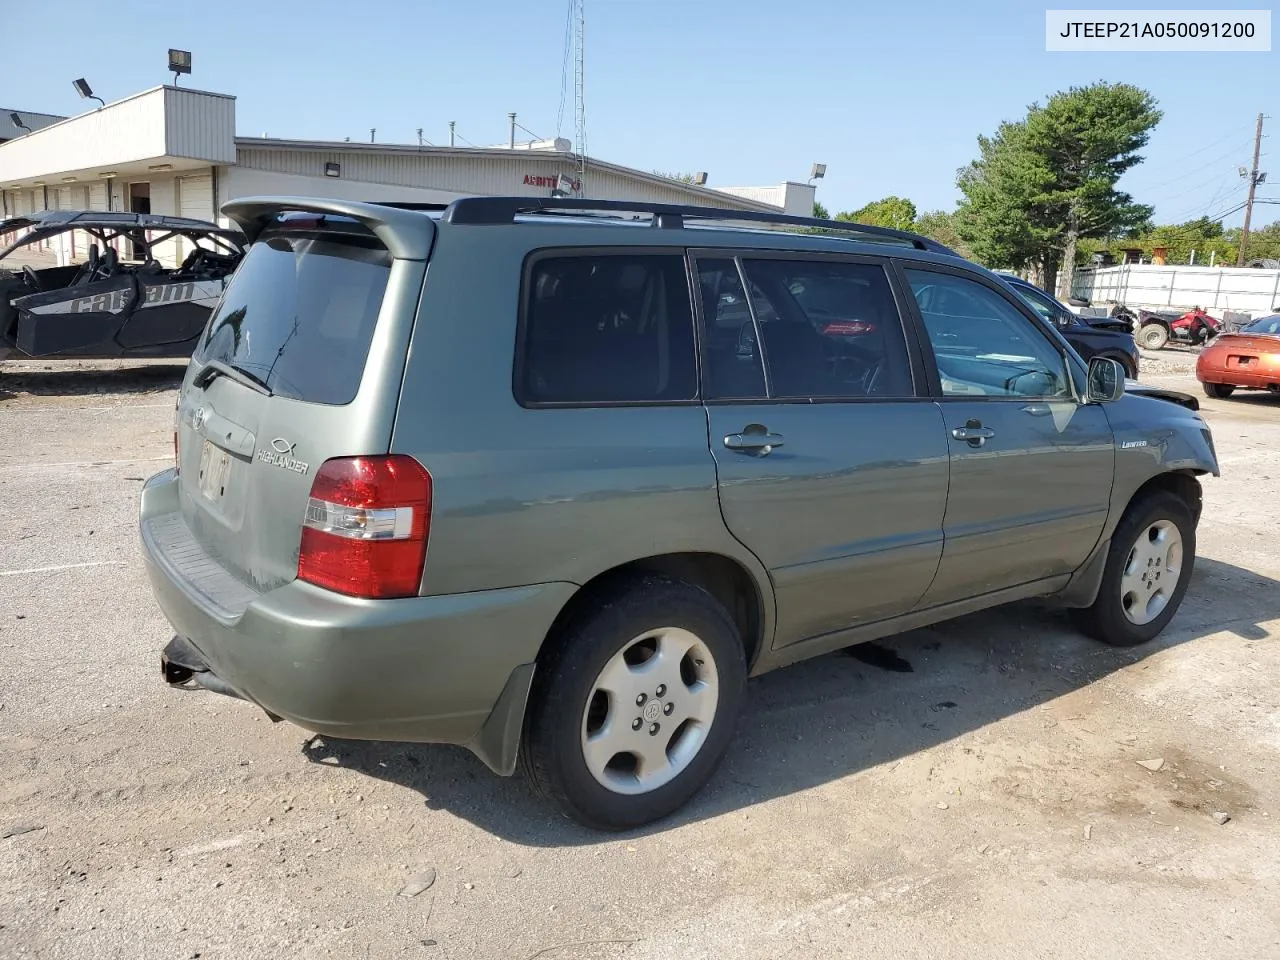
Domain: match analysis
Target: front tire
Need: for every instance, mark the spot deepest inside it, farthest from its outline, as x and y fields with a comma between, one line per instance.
x=1153, y=336
x=635, y=704
x=1219, y=391
x=1149, y=565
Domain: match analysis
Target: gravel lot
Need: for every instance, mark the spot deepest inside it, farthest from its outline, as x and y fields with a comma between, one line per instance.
x=1001, y=799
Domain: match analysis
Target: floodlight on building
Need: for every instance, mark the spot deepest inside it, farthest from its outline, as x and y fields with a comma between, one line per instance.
x=700, y=178
x=86, y=91
x=16, y=119
x=818, y=172
x=179, y=63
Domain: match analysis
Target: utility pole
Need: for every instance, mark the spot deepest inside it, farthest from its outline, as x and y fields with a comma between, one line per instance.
x=1255, y=178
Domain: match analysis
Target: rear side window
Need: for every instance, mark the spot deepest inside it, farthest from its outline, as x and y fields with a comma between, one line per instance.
x=299, y=313
x=607, y=328
x=823, y=329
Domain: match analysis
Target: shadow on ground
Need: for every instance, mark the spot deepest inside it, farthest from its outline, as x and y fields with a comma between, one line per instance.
x=65, y=378
x=830, y=717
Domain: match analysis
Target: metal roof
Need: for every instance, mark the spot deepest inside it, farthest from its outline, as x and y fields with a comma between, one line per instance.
x=8, y=131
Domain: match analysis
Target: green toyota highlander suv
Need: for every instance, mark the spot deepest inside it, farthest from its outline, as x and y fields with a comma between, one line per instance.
x=553, y=478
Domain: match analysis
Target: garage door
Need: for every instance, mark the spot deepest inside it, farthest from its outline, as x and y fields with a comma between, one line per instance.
x=195, y=200
x=195, y=197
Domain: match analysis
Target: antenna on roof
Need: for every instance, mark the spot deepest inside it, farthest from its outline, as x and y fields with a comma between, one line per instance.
x=372, y=132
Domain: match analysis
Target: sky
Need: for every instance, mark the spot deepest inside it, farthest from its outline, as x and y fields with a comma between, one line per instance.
x=891, y=96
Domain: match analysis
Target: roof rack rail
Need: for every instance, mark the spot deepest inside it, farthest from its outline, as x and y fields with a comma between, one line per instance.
x=499, y=210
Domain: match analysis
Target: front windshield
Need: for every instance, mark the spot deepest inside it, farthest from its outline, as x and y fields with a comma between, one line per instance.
x=1264, y=325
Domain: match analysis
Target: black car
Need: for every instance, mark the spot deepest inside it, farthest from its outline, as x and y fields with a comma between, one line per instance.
x=119, y=301
x=1093, y=337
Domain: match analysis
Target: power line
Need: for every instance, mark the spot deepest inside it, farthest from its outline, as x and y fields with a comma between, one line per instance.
x=1191, y=173
x=1236, y=132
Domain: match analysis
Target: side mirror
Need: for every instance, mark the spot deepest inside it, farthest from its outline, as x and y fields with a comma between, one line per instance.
x=1106, y=380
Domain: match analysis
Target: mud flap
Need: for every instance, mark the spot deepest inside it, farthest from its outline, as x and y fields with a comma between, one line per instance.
x=74, y=319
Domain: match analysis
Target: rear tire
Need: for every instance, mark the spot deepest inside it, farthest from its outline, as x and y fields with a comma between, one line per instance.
x=1153, y=336
x=1136, y=599
x=1219, y=391
x=607, y=681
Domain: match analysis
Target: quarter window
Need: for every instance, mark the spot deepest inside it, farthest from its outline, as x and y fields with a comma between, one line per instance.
x=984, y=346
x=608, y=328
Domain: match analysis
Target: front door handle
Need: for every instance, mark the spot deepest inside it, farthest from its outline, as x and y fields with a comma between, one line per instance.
x=973, y=433
x=754, y=439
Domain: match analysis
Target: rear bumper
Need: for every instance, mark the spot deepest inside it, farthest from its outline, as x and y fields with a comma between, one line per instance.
x=1264, y=379
x=428, y=669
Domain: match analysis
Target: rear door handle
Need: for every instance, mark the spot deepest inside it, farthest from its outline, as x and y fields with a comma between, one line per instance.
x=975, y=436
x=754, y=439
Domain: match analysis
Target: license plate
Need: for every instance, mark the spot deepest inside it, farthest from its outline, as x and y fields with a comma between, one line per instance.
x=1243, y=361
x=215, y=470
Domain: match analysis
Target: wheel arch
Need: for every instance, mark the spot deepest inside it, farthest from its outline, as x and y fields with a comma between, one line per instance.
x=1184, y=484
x=725, y=578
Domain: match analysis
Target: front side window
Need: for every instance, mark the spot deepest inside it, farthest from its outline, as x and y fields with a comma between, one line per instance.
x=984, y=346
x=607, y=328
x=823, y=329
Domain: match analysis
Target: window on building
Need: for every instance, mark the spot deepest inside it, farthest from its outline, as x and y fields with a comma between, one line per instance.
x=608, y=328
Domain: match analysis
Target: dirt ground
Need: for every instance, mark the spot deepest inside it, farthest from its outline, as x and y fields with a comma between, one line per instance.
x=995, y=787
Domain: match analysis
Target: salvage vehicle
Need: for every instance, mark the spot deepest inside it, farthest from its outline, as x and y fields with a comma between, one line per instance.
x=1091, y=336
x=551, y=478
x=120, y=301
x=1248, y=359
x=1156, y=329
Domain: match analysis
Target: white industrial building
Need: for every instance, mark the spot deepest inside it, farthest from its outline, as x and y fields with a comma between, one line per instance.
x=173, y=150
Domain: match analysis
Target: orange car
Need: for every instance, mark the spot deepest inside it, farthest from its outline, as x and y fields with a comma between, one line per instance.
x=1249, y=357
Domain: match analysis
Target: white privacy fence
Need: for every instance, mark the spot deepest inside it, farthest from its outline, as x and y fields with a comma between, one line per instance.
x=1216, y=289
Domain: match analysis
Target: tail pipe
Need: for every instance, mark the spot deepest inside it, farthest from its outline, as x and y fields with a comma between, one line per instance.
x=184, y=667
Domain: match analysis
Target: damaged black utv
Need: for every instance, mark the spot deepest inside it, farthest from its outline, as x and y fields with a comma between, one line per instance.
x=120, y=301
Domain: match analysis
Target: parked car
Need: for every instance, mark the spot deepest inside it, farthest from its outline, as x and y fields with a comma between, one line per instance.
x=1090, y=336
x=117, y=301
x=1248, y=358
x=558, y=495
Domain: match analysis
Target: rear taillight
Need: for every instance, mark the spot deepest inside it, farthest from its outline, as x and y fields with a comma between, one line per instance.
x=365, y=532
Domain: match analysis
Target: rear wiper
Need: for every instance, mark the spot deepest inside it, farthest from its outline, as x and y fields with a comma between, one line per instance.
x=216, y=368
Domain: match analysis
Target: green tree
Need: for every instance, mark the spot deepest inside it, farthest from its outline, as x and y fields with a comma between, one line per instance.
x=1041, y=185
x=820, y=211
x=1264, y=243
x=678, y=177
x=895, y=212
x=996, y=216
x=941, y=226
x=1206, y=237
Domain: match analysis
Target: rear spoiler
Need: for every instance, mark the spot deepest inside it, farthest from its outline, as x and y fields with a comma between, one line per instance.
x=405, y=233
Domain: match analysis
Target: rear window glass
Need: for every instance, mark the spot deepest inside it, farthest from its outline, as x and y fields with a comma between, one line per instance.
x=298, y=315
x=607, y=329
